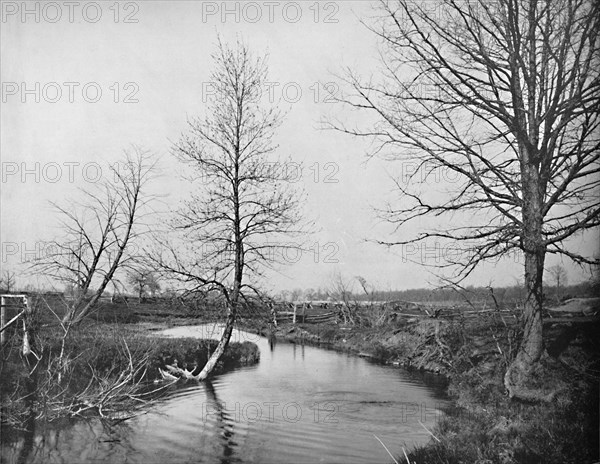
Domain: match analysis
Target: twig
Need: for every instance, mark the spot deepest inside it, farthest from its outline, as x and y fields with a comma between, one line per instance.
x=404, y=451
x=388, y=451
x=427, y=430
x=497, y=344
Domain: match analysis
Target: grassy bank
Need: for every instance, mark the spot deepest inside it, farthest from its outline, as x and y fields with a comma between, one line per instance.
x=485, y=426
x=100, y=369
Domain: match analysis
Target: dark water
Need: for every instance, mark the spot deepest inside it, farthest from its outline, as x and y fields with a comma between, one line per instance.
x=300, y=404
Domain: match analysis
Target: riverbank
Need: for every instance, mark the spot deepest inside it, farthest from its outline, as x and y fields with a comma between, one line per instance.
x=99, y=369
x=485, y=426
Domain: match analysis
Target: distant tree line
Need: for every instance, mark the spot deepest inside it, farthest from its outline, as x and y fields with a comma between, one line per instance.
x=504, y=295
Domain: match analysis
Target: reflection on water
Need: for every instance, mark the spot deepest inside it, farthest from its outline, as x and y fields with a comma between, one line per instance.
x=225, y=423
x=272, y=340
x=299, y=404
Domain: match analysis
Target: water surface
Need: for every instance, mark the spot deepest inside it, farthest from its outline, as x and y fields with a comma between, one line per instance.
x=299, y=404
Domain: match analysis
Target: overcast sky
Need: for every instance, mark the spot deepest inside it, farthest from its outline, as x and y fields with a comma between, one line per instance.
x=81, y=81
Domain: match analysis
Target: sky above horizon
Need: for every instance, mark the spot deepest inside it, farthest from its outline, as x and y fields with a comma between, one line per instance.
x=82, y=81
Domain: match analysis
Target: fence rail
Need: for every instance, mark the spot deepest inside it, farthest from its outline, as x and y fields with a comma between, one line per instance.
x=20, y=303
x=305, y=312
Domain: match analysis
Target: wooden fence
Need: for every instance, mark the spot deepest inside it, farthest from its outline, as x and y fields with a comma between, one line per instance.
x=13, y=307
x=307, y=318
x=322, y=312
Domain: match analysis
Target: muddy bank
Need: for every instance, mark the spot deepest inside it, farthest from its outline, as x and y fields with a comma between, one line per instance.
x=419, y=344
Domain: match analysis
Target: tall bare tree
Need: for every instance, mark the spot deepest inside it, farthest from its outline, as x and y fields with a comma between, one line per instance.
x=559, y=277
x=97, y=231
x=500, y=99
x=244, y=197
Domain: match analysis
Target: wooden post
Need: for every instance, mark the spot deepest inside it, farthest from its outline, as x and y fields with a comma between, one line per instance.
x=273, y=313
x=295, y=310
x=3, y=320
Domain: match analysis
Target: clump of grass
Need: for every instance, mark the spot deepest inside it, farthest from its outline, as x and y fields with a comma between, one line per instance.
x=512, y=433
x=329, y=333
x=380, y=352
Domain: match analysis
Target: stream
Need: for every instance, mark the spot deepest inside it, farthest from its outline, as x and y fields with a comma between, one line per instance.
x=299, y=404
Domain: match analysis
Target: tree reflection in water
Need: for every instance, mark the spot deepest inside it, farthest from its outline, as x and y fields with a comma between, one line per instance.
x=272, y=341
x=224, y=422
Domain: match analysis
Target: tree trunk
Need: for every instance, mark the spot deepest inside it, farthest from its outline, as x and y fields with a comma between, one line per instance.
x=530, y=350
x=223, y=343
x=70, y=314
x=531, y=346
x=232, y=302
x=74, y=315
x=79, y=310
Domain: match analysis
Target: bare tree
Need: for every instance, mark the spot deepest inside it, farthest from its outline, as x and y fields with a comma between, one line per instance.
x=143, y=280
x=310, y=294
x=97, y=232
x=559, y=277
x=296, y=294
x=243, y=199
x=500, y=99
x=7, y=281
x=340, y=289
